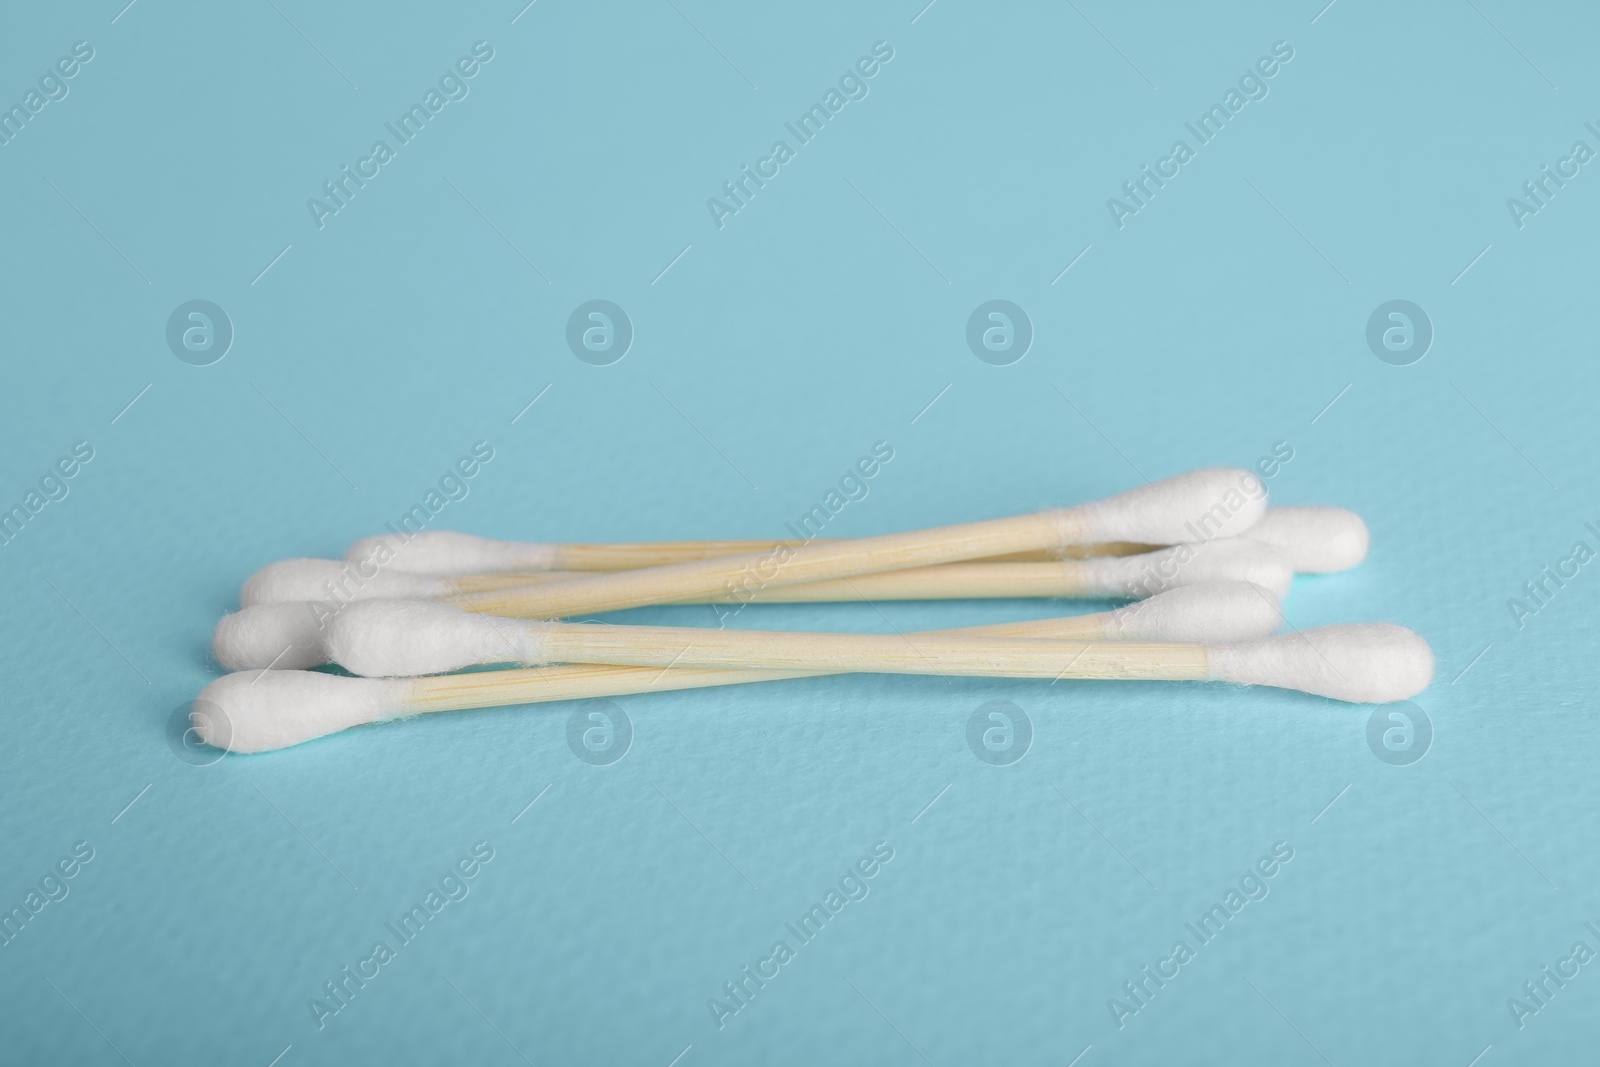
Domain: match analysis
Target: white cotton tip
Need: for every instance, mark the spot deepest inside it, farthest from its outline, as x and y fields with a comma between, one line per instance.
x=257, y=711
x=1363, y=663
x=446, y=552
x=1316, y=540
x=397, y=638
x=1197, y=506
x=334, y=580
x=286, y=636
x=1226, y=559
x=1204, y=613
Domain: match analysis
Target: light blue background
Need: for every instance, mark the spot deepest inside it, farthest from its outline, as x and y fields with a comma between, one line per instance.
x=1224, y=317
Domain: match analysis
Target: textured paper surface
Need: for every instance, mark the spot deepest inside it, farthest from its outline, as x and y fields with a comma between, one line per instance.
x=1227, y=316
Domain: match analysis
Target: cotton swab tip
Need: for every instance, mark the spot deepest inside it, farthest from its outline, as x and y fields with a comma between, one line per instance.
x=1315, y=540
x=334, y=580
x=1196, y=506
x=394, y=638
x=1225, y=559
x=1363, y=663
x=256, y=711
x=286, y=636
x=1204, y=612
x=448, y=552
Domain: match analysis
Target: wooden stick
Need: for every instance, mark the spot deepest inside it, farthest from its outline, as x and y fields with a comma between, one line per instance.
x=946, y=581
x=1198, y=505
x=781, y=566
x=575, y=681
x=622, y=556
x=1374, y=663
x=842, y=653
x=987, y=657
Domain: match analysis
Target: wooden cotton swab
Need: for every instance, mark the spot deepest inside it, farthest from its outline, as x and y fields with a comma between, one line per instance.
x=1201, y=505
x=1313, y=539
x=429, y=553
x=255, y=711
x=288, y=633
x=1122, y=576
x=1317, y=539
x=390, y=638
x=1215, y=610
x=449, y=552
x=295, y=707
x=1195, y=506
x=292, y=636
